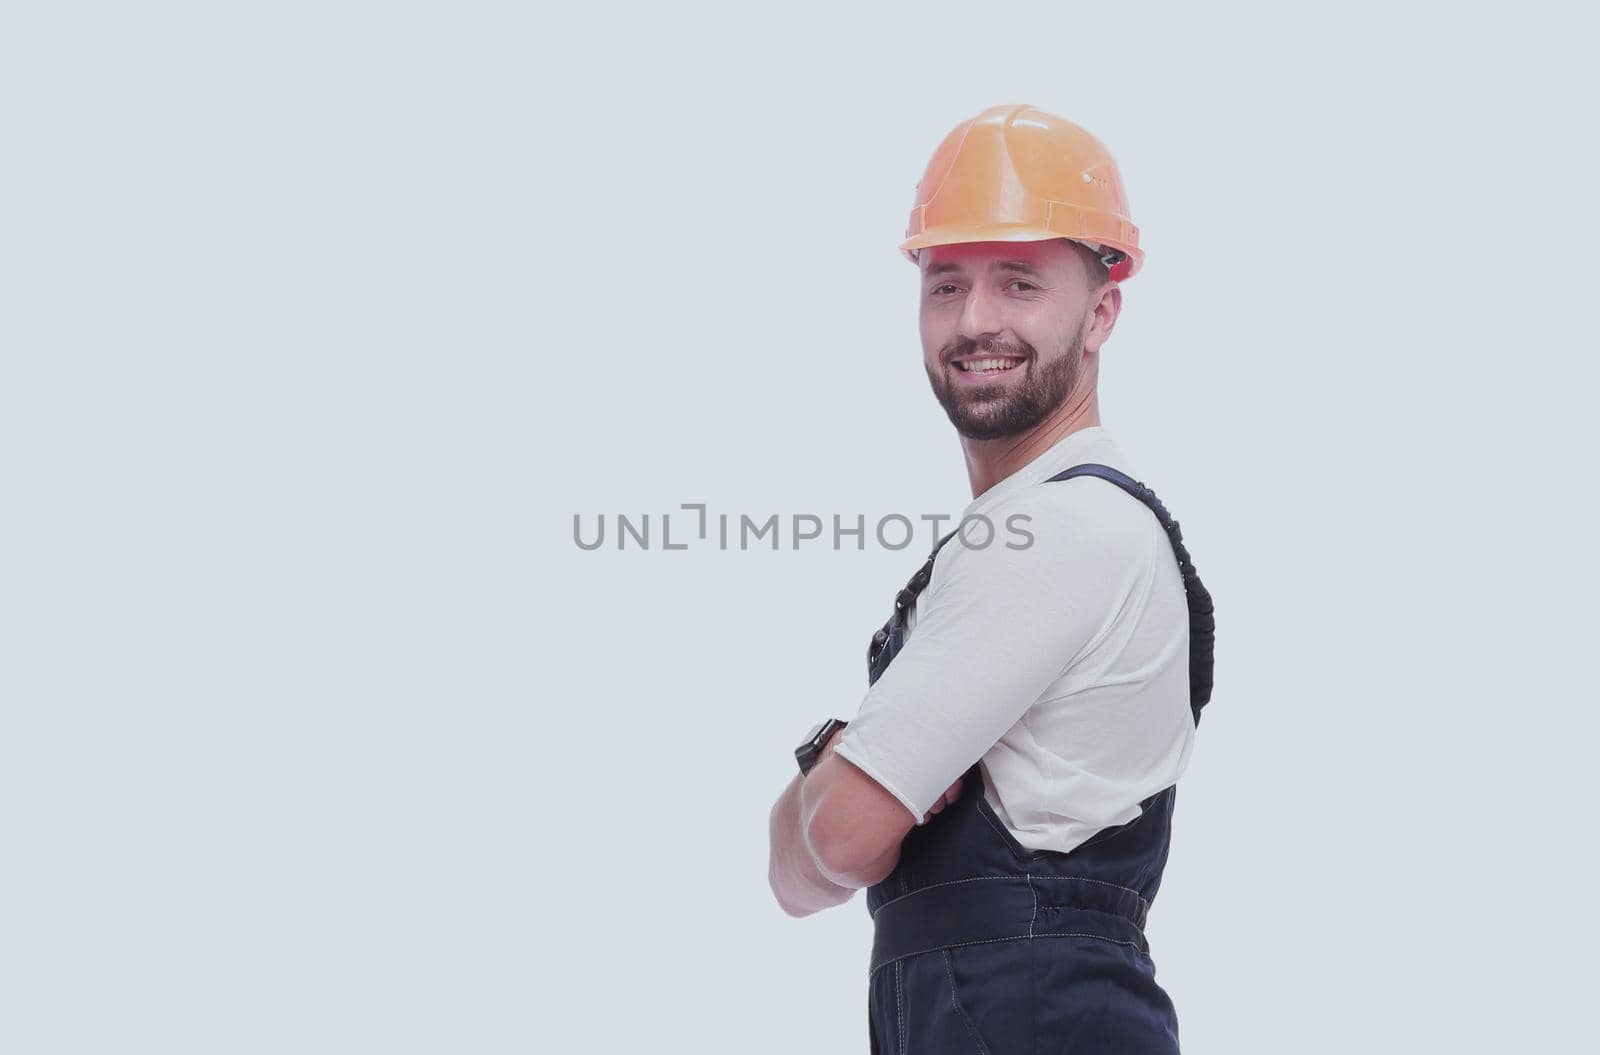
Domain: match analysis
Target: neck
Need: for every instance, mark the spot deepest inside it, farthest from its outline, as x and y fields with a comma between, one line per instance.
x=990, y=461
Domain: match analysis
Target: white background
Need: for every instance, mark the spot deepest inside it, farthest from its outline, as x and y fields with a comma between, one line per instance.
x=321, y=321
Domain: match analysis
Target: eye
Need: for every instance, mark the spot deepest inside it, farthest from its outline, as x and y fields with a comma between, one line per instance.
x=945, y=289
x=1023, y=286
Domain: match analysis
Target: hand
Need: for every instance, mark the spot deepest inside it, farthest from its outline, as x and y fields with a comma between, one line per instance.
x=953, y=793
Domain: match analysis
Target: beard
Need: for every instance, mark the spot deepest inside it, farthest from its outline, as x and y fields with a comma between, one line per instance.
x=1012, y=404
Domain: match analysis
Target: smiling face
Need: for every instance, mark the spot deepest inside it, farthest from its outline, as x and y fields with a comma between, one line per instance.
x=1007, y=328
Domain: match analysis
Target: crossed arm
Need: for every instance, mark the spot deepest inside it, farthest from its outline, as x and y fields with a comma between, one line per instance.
x=834, y=830
x=993, y=631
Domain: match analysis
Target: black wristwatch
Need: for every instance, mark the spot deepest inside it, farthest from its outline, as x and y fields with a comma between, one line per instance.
x=808, y=753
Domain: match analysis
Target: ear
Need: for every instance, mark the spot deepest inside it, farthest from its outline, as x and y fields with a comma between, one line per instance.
x=1102, y=317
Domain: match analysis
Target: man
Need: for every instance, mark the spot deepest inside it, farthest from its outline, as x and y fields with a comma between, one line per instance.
x=1006, y=788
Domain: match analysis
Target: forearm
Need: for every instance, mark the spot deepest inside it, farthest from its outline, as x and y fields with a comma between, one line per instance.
x=797, y=881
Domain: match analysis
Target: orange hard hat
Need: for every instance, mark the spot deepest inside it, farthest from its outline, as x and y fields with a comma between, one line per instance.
x=1017, y=174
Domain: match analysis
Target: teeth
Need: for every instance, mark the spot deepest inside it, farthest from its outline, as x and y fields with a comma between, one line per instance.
x=985, y=366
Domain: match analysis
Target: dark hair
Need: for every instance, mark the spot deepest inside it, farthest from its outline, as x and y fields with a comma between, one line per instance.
x=1093, y=265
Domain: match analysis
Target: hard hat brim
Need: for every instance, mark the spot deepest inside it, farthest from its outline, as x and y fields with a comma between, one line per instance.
x=1006, y=232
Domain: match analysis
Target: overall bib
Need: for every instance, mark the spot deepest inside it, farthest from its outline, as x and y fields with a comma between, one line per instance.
x=981, y=945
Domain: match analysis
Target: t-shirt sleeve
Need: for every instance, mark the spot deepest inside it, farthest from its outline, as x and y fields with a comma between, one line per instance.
x=997, y=625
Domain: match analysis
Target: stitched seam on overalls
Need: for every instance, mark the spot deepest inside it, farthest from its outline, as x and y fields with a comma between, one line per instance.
x=961, y=1012
x=900, y=1010
x=1028, y=876
x=1078, y=934
x=933, y=886
x=1035, y=917
x=1027, y=857
x=1145, y=905
x=1007, y=837
x=898, y=960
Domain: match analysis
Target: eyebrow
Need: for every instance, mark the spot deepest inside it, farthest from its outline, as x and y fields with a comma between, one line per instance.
x=1021, y=267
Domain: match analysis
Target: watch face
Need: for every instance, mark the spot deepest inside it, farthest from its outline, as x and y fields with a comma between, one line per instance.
x=807, y=753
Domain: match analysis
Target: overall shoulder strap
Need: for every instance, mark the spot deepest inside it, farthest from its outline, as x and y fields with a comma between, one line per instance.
x=1202, y=621
x=902, y=601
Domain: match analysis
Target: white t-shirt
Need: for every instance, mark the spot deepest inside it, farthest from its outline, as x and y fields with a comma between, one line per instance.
x=1061, y=664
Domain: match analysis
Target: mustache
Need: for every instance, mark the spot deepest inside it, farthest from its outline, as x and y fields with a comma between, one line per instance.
x=966, y=346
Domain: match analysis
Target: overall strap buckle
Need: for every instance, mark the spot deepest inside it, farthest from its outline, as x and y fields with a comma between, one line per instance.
x=902, y=601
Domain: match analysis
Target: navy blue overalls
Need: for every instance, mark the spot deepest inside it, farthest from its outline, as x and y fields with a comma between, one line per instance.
x=982, y=945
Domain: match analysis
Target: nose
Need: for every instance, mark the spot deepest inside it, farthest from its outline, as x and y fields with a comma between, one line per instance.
x=980, y=315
